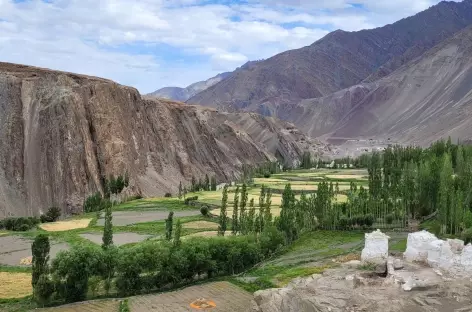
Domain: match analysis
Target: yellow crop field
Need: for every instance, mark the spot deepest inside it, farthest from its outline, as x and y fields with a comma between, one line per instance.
x=15, y=285
x=65, y=225
x=200, y=225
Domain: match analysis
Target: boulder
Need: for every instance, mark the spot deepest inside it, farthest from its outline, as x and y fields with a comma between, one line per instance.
x=397, y=264
x=417, y=246
x=376, y=247
x=434, y=252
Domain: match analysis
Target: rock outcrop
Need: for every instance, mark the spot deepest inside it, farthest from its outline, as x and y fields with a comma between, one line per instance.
x=61, y=133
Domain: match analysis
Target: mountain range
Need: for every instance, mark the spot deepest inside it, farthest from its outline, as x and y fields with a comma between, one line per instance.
x=380, y=82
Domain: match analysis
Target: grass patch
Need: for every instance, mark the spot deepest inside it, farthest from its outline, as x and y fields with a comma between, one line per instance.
x=15, y=269
x=398, y=246
x=17, y=305
x=159, y=203
x=324, y=239
x=367, y=267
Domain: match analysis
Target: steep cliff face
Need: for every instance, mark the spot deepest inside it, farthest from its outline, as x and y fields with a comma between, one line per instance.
x=62, y=132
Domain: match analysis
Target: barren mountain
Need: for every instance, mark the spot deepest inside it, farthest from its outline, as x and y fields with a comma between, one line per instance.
x=183, y=94
x=424, y=100
x=337, y=61
x=60, y=133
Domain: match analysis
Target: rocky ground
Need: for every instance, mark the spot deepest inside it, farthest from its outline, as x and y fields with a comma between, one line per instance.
x=355, y=287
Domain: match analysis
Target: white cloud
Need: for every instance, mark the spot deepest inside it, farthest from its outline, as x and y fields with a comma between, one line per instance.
x=121, y=39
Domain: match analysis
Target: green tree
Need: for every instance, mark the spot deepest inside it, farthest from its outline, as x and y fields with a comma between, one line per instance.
x=235, y=218
x=287, y=220
x=445, y=184
x=40, y=251
x=108, y=229
x=180, y=190
x=169, y=225
x=251, y=218
x=207, y=183
x=242, y=210
x=194, y=184
x=213, y=183
x=178, y=231
x=267, y=204
x=223, y=217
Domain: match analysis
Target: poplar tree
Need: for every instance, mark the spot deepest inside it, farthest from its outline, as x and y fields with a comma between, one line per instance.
x=267, y=212
x=169, y=225
x=251, y=216
x=242, y=210
x=235, y=223
x=287, y=218
x=178, y=231
x=180, y=190
x=207, y=183
x=40, y=251
x=223, y=216
x=260, y=216
x=108, y=229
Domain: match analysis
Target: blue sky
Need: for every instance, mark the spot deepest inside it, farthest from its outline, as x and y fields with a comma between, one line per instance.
x=149, y=44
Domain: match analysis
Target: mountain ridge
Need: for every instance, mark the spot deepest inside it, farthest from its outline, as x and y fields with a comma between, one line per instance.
x=337, y=61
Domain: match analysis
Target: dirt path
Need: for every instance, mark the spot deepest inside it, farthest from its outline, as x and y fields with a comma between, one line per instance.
x=122, y=218
x=226, y=296
x=14, y=248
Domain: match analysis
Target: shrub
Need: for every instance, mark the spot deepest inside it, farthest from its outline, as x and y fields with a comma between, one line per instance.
x=43, y=290
x=267, y=175
x=466, y=236
x=369, y=220
x=2, y=224
x=93, y=202
x=52, y=215
x=189, y=199
x=344, y=223
x=72, y=269
x=389, y=218
x=20, y=224
x=205, y=210
x=168, y=195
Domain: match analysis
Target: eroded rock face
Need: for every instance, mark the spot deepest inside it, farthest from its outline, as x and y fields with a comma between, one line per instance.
x=60, y=133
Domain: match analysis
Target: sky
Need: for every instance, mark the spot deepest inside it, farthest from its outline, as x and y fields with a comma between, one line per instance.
x=149, y=44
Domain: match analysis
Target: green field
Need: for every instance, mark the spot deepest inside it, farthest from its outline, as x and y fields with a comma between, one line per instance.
x=295, y=261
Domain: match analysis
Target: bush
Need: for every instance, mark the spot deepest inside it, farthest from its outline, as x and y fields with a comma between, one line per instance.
x=51, y=216
x=344, y=223
x=466, y=236
x=20, y=223
x=168, y=195
x=267, y=175
x=205, y=210
x=72, y=269
x=189, y=199
x=389, y=218
x=43, y=289
x=369, y=220
x=93, y=203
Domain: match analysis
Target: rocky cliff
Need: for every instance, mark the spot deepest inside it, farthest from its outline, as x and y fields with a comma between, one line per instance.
x=62, y=132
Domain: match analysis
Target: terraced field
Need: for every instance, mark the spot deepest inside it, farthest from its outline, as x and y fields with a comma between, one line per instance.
x=226, y=296
x=88, y=306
